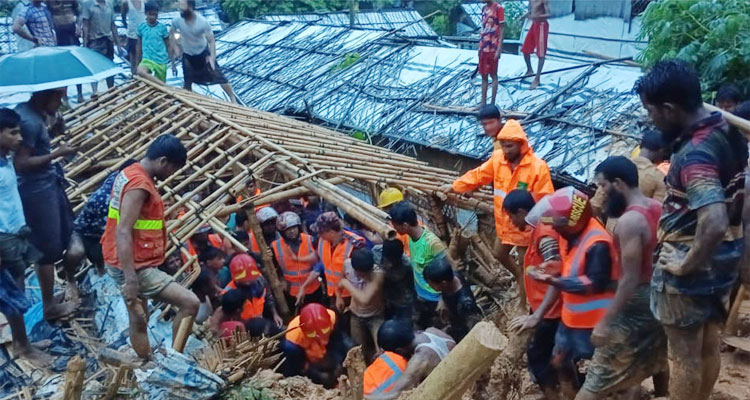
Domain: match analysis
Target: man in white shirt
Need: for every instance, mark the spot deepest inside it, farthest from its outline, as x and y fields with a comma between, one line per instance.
x=199, y=50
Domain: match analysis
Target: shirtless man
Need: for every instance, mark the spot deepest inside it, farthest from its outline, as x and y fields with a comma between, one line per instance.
x=536, y=38
x=424, y=350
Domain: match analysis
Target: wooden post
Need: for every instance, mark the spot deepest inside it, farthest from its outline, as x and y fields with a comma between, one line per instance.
x=267, y=265
x=471, y=358
x=74, y=378
x=183, y=332
x=438, y=218
x=114, y=386
x=355, y=369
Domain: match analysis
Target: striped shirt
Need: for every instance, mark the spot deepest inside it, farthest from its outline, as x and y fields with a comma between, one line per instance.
x=706, y=169
x=39, y=22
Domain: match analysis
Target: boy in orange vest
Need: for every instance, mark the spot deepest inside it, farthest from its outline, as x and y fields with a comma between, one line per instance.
x=590, y=269
x=544, y=300
x=135, y=240
x=513, y=166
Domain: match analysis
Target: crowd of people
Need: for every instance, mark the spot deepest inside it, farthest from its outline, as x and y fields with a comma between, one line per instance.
x=149, y=46
x=644, y=267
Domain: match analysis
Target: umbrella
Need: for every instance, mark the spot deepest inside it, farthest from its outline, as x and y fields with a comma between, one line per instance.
x=45, y=68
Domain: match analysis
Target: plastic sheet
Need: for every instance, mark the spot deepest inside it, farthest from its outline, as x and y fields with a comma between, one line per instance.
x=175, y=376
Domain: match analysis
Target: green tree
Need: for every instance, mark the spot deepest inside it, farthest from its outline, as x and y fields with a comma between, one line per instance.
x=6, y=7
x=238, y=9
x=713, y=35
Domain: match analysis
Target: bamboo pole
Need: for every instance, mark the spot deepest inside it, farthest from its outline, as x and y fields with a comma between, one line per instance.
x=263, y=198
x=471, y=357
x=183, y=332
x=267, y=265
x=74, y=379
x=114, y=386
x=737, y=122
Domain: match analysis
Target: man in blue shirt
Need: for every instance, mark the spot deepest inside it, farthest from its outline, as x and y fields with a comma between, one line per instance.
x=15, y=251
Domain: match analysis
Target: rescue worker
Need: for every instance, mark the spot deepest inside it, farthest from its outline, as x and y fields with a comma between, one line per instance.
x=590, y=267
x=630, y=343
x=203, y=239
x=382, y=374
x=387, y=198
x=246, y=277
x=513, y=166
x=134, y=240
x=295, y=255
x=544, y=300
x=267, y=218
x=335, y=246
x=424, y=350
x=315, y=346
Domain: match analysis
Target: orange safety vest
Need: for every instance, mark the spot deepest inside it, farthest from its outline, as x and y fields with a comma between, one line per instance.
x=214, y=239
x=585, y=310
x=257, y=192
x=295, y=272
x=531, y=174
x=535, y=290
x=253, y=243
x=333, y=260
x=253, y=307
x=382, y=374
x=149, y=233
x=314, y=350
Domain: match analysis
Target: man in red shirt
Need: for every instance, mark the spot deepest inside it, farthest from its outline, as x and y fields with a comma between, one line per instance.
x=135, y=240
x=536, y=38
x=490, y=45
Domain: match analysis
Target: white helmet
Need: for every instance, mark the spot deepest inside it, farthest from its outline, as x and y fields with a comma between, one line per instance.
x=265, y=214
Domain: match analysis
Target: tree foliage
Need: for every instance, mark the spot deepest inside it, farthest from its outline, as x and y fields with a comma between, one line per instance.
x=713, y=35
x=238, y=9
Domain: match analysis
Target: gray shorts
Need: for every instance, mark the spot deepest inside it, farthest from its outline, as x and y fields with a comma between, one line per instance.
x=151, y=280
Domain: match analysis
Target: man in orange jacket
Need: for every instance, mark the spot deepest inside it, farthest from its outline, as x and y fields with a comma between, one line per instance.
x=513, y=166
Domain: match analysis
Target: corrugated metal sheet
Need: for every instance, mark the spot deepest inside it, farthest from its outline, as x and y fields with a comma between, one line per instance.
x=386, y=20
x=290, y=67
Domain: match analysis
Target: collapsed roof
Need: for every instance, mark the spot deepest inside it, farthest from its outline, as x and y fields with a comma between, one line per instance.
x=408, y=22
x=408, y=93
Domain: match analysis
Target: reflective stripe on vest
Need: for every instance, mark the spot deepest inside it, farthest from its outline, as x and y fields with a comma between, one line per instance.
x=140, y=224
x=382, y=374
x=499, y=192
x=585, y=311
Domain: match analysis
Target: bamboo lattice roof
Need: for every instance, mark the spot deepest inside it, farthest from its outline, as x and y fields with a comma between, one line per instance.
x=226, y=144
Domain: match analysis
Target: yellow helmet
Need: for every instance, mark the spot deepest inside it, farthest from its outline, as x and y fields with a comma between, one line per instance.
x=389, y=196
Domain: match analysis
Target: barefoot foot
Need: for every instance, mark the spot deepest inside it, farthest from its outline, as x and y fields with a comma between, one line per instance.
x=35, y=356
x=60, y=310
x=534, y=84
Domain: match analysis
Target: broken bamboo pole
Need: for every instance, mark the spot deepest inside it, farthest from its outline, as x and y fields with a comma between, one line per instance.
x=267, y=265
x=472, y=357
x=183, y=333
x=114, y=386
x=74, y=379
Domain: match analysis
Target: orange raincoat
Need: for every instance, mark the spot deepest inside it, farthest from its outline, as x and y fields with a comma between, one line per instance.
x=531, y=174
